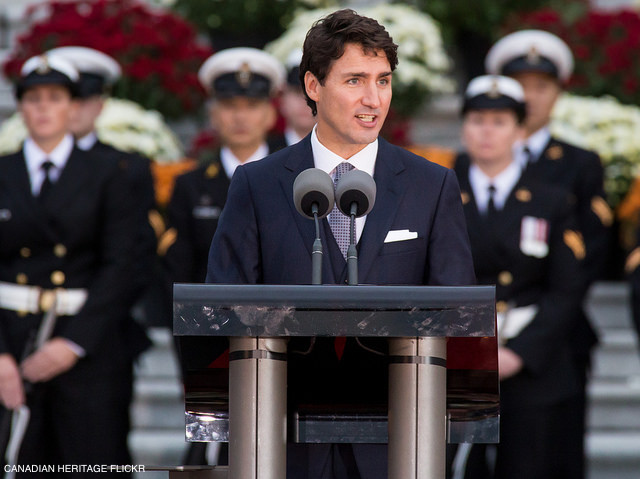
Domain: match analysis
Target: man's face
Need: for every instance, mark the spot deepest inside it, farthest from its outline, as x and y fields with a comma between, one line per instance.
x=354, y=100
x=296, y=112
x=46, y=111
x=84, y=118
x=489, y=135
x=541, y=92
x=242, y=122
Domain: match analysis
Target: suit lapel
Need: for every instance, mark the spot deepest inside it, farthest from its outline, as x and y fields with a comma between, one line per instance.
x=300, y=158
x=390, y=185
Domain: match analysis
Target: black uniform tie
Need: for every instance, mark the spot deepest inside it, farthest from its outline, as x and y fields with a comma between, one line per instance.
x=47, y=184
x=491, y=206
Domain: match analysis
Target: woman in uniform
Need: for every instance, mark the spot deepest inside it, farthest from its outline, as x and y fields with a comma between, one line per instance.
x=523, y=240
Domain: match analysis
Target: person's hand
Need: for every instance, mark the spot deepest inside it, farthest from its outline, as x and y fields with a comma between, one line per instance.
x=509, y=363
x=11, y=389
x=53, y=358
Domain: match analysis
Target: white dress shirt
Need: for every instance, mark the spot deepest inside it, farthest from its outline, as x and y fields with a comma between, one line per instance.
x=230, y=162
x=35, y=157
x=327, y=160
x=503, y=184
x=535, y=143
x=87, y=141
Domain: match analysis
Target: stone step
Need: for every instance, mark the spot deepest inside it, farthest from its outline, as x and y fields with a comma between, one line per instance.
x=613, y=455
x=157, y=447
x=157, y=403
x=608, y=305
x=160, y=360
x=617, y=355
x=614, y=404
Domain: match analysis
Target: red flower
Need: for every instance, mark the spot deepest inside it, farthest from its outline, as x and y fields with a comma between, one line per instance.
x=158, y=52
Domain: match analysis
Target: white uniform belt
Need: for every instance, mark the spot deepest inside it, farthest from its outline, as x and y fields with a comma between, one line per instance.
x=34, y=299
x=512, y=321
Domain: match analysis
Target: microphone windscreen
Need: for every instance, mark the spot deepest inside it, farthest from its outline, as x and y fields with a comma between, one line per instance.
x=313, y=186
x=358, y=187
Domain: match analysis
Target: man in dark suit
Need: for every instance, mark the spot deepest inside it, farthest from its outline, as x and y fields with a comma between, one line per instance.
x=242, y=83
x=98, y=72
x=542, y=63
x=66, y=249
x=414, y=235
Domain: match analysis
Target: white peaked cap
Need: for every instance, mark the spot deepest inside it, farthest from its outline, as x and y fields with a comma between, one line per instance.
x=89, y=60
x=496, y=85
x=45, y=62
x=232, y=60
x=522, y=43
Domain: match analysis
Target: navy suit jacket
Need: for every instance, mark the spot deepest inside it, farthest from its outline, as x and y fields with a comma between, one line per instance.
x=261, y=238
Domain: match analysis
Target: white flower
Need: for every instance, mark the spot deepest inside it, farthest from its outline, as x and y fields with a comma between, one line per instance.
x=123, y=124
x=422, y=60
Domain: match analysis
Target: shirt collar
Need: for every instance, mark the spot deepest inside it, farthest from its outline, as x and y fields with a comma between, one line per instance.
x=327, y=160
x=230, y=162
x=503, y=183
x=87, y=141
x=34, y=156
x=537, y=142
x=291, y=137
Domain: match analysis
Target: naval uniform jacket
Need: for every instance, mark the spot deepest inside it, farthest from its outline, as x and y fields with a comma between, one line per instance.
x=526, y=275
x=82, y=237
x=196, y=203
x=580, y=173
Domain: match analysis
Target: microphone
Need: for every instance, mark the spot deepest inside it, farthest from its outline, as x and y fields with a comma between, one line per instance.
x=313, y=196
x=355, y=196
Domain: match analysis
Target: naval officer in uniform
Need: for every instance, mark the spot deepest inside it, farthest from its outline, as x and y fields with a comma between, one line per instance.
x=242, y=83
x=523, y=240
x=66, y=252
x=542, y=63
x=98, y=73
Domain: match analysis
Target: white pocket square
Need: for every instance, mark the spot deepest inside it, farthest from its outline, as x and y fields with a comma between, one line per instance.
x=400, y=235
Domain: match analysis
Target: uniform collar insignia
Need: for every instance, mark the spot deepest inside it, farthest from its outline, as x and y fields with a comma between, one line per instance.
x=212, y=170
x=555, y=152
x=523, y=194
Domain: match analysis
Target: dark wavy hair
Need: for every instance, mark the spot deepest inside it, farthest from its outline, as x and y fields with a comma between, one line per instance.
x=325, y=42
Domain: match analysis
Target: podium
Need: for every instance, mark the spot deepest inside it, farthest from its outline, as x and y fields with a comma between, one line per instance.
x=442, y=371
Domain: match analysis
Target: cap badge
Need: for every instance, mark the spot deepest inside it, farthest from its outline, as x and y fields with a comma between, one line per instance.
x=533, y=56
x=43, y=67
x=494, y=91
x=243, y=75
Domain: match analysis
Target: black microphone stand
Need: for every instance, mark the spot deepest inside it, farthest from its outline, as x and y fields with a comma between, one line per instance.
x=316, y=253
x=352, y=252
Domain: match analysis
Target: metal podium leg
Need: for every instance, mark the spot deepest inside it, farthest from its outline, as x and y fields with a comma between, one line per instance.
x=257, y=408
x=417, y=408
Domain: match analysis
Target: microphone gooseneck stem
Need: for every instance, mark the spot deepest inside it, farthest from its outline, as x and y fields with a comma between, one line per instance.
x=316, y=254
x=352, y=252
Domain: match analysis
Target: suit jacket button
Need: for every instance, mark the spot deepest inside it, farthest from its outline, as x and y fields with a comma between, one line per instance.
x=25, y=252
x=57, y=278
x=505, y=278
x=21, y=278
x=501, y=306
x=60, y=250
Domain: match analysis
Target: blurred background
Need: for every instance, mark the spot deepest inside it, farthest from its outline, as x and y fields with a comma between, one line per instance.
x=158, y=110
